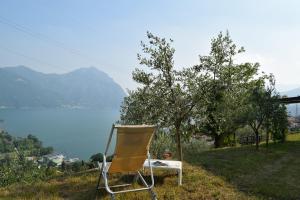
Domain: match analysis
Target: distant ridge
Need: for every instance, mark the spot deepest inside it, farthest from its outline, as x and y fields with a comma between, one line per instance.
x=22, y=87
x=292, y=93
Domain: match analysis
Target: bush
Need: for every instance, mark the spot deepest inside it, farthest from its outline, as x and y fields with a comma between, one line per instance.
x=46, y=150
x=280, y=135
x=195, y=146
x=76, y=166
x=98, y=157
x=162, y=142
x=21, y=170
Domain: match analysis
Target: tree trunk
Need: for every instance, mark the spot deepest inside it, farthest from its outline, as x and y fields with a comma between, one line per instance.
x=234, y=138
x=219, y=139
x=267, y=136
x=256, y=139
x=179, y=147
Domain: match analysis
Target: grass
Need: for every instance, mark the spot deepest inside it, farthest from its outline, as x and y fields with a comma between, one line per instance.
x=228, y=173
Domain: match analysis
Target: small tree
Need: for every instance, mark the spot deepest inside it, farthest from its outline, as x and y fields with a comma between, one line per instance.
x=98, y=157
x=256, y=113
x=279, y=123
x=227, y=85
x=63, y=166
x=166, y=96
x=262, y=104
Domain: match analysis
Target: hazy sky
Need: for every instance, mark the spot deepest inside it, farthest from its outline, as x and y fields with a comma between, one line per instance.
x=59, y=35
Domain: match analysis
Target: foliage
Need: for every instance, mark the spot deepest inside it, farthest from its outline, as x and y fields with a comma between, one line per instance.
x=279, y=123
x=258, y=109
x=98, y=157
x=166, y=96
x=30, y=145
x=14, y=163
x=77, y=166
x=219, y=96
x=20, y=170
x=257, y=175
x=163, y=141
x=195, y=146
x=265, y=111
x=227, y=84
x=6, y=142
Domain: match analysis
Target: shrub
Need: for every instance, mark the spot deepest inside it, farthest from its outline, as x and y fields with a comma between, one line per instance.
x=162, y=142
x=98, y=157
x=195, y=146
x=21, y=170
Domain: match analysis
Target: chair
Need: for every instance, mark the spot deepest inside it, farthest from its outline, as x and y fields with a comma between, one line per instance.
x=131, y=151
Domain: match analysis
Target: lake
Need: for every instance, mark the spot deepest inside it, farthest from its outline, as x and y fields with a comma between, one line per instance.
x=73, y=132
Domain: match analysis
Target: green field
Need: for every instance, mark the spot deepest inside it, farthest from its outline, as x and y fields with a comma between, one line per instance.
x=228, y=173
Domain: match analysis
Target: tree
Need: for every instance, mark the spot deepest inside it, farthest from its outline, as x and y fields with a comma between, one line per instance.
x=97, y=157
x=63, y=166
x=257, y=111
x=263, y=106
x=279, y=122
x=45, y=151
x=166, y=96
x=227, y=84
x=271, y=104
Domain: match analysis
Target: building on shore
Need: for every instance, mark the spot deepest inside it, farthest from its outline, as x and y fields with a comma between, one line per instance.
x=57, y=159
x=294, y=123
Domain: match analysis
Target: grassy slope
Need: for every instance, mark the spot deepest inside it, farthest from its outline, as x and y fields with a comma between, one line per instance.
x=230, y=173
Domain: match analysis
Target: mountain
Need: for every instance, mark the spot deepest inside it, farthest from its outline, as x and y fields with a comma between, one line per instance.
x=292, y=93
x=85, y=87
x=293, y=109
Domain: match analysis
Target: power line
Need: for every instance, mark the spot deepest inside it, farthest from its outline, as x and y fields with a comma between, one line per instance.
x=44, y=38
x=39, y=36
x=28, y=57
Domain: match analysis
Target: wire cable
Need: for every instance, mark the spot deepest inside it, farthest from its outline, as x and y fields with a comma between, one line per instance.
x=28, y=57
x=47, y=39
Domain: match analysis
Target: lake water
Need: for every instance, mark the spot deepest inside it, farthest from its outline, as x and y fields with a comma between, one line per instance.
x=73, y=132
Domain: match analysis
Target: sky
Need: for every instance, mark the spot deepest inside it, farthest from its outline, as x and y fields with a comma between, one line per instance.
x=58, y=36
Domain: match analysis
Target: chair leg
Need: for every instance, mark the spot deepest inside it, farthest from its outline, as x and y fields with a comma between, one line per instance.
x=99, y=181
x=100, y=175
x=153, y=195
x=112, y=196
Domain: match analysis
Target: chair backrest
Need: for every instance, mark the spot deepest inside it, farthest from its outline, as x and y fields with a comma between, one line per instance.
x=132, y=146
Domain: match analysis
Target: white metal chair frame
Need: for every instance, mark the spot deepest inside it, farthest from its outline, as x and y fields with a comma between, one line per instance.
x=104, y=174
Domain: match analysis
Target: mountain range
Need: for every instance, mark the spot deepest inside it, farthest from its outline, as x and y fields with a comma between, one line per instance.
x=291, y=93
x=22, y=87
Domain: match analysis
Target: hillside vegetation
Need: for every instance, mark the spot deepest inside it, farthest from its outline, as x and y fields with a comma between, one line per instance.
x=227, y=173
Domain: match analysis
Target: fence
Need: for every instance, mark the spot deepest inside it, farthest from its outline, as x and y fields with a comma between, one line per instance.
x=250, y=139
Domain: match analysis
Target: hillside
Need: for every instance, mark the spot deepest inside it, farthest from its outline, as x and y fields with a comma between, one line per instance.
x=30, y=144
x=228, y=173
x=22, y=87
